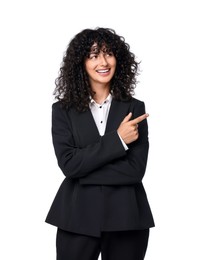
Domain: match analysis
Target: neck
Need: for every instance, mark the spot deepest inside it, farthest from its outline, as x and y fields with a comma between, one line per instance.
x=101, y=94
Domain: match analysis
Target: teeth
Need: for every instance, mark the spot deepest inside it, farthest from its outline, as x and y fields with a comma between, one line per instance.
x=102, y=71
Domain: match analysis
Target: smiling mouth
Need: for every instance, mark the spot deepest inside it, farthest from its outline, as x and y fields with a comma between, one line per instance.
x=103, y=71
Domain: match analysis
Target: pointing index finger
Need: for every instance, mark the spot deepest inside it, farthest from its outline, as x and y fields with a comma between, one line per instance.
x=139, y=119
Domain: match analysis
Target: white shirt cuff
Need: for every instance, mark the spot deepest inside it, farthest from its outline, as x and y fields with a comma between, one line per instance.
x=123, y=143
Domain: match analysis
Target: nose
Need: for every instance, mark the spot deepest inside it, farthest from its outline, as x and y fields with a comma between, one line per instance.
x=103, y=60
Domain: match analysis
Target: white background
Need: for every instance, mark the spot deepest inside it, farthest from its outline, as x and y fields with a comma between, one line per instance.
x=167, y=36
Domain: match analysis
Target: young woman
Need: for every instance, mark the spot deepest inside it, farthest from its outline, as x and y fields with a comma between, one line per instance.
x=100, y=137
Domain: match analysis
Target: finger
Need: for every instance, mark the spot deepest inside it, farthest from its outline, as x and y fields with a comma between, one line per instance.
x=127, y=118
x=135, y=128
x=139, y=119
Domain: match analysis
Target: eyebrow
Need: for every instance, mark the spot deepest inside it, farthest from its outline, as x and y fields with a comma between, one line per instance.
x=95, y=49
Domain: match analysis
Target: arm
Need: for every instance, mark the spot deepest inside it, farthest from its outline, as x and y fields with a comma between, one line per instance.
x=129, y=169
x=77, y=162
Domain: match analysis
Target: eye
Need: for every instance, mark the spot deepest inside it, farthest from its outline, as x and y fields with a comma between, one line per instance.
x=93, y=56
x=109, y=54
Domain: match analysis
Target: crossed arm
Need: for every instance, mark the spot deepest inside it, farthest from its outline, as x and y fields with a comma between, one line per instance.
x=106, y=161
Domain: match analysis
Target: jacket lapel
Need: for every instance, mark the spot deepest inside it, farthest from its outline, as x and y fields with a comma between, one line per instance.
x=118, y=111
x=85, y=130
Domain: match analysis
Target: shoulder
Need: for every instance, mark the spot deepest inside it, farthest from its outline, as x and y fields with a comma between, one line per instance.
x=59, y=111
x=60, y=106
x=57, y=105
x=133, y=104
x=136, y=103
x=137, y=106
x=64, y=113
x=131, y=101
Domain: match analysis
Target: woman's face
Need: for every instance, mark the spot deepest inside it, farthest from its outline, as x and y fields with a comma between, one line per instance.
x=100, y=66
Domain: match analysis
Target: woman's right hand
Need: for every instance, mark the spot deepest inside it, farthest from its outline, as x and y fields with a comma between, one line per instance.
x=128, y=129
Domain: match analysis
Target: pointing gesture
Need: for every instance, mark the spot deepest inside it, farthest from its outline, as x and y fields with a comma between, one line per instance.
x=128, y=129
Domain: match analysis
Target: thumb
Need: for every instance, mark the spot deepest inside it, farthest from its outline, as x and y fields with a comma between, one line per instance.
x=127, y=118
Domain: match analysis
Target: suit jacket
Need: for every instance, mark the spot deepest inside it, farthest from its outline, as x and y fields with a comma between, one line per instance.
x=102, y=189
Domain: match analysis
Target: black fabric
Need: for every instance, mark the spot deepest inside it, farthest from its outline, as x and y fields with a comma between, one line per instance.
x=102, y=189
x=119, y=245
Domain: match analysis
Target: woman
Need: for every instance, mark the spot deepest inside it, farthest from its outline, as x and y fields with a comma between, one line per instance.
x=100, y=137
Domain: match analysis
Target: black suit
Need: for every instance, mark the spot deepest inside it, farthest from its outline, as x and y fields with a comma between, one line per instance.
x=103, y=188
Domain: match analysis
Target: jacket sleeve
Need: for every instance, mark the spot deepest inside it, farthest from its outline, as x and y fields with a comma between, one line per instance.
x=78, y=162
x=129, y=169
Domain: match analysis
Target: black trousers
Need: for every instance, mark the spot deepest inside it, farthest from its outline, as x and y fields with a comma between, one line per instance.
x=114, y=245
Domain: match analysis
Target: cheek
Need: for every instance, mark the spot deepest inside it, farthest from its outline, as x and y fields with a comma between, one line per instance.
x=89, y=66
x=114, y=63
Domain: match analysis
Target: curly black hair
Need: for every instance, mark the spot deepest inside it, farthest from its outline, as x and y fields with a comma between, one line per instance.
x=72, y=84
